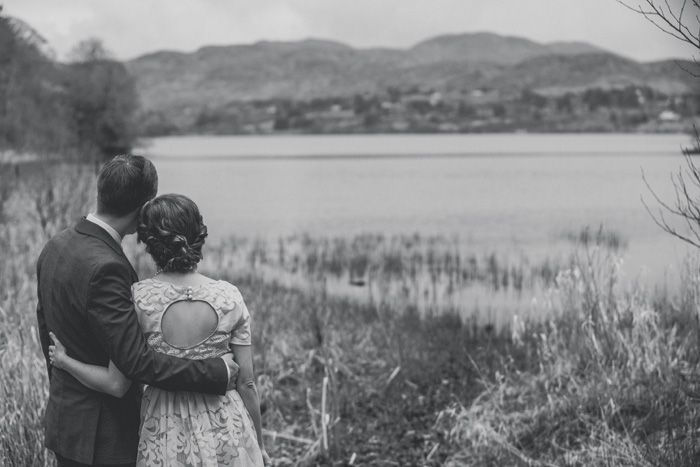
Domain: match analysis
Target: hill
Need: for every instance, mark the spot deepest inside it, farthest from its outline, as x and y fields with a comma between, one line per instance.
x=177, y=85
x=492, y=48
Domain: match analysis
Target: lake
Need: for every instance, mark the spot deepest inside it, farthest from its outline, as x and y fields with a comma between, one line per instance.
x=521, y=192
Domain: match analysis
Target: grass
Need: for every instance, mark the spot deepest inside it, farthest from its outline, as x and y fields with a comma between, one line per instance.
x=368, y=348
x=602, y=237
x=614, y=382
x=432, y=273
x=33, y=207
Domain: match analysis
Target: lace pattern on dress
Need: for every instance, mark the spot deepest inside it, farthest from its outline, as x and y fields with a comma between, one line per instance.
x=217, y=345
x=189, y=429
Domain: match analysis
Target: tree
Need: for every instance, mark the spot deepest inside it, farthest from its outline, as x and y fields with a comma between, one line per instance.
x=83, y=109
x=103, y=100
x=89, y=50
x=680, y=19
x=32, y=111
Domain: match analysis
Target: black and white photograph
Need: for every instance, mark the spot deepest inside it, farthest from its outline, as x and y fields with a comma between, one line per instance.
x=328, y=233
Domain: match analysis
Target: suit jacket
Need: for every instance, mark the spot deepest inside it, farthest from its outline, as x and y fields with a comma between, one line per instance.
x=84, y=297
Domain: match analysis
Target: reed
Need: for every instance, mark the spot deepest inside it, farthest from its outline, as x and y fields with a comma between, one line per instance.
x=433, y=274
x=313, y=351
x=614, y=382
x=588, y=237
x=23, y=376
x=361, y=344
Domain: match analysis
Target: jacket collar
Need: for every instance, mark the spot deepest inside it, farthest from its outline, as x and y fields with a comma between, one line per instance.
x=112, y=233
x=86, y=227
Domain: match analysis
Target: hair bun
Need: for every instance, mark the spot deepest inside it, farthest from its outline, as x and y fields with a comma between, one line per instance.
x=165, y=233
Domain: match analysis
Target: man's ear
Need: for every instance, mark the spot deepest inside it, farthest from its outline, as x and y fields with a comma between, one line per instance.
x=135, y=214
x=133, y=218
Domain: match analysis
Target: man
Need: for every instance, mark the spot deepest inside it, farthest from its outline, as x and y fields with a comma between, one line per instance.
x=84, y=298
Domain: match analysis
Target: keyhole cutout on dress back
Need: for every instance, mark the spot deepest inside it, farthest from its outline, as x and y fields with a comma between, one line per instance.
x=187, y=323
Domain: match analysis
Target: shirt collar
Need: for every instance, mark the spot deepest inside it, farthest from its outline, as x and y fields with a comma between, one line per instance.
x=112, y=233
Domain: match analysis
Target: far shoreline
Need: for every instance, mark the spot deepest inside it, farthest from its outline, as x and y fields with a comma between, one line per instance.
x=407, y=145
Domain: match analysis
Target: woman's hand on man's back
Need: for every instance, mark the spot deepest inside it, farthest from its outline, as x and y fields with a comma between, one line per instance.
x=233, y=369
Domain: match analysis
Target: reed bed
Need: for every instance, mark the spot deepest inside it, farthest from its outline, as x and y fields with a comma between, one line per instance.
x=614, y=380
x=368, y=350
x=32, y=208
x=317, y=355
x=431, y=274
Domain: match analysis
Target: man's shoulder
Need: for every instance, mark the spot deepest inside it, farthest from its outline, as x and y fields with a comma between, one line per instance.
x=79, y=243
x=62, y=236
x=72, y=246
x=59, y=243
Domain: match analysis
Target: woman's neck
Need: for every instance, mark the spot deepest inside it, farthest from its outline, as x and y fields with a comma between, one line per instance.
x=182, y=278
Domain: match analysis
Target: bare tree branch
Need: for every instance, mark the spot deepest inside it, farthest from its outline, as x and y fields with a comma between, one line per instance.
x=686, y=207
x=669, y=20
x=680, y=22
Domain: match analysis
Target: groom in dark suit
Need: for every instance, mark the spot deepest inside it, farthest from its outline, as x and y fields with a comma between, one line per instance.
x=84, y=298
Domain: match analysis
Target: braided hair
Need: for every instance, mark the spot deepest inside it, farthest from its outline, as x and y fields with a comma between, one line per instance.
x=172, y=229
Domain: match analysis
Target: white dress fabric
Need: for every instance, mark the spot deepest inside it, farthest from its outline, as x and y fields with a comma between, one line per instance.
x=190, y=429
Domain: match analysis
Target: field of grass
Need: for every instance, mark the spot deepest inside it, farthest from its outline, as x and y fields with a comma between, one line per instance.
x=382, y=351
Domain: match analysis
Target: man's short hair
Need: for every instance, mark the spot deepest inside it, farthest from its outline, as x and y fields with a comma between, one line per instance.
x=125, y=183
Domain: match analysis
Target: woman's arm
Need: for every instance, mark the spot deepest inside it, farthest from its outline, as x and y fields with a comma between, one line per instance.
x=245, y=385
x=108, y=380
x=113, y=321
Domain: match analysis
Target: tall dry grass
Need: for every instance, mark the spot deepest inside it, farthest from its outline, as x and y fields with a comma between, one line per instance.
x=36, y=202
x=615, y=379
x=341, y=346
x=316, y=354
x=429, y=273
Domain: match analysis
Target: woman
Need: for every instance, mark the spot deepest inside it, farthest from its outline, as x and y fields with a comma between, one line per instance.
x=185, y=314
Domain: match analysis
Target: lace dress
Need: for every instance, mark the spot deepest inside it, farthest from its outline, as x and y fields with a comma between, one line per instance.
x=182, y=428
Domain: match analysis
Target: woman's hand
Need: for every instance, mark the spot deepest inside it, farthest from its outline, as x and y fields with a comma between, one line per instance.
x=233, y=370
x=57, y=352
x=99, y=378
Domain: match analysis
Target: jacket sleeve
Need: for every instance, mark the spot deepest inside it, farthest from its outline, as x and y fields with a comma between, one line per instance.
x=113, y=319
x=44, y=338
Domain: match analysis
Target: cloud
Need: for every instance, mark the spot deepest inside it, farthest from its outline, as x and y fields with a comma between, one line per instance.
x=133, y=27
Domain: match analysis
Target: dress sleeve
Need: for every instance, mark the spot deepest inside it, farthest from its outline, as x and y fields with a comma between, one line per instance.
x=241, y=331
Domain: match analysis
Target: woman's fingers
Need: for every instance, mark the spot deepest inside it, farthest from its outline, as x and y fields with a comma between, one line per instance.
x=56, y=347
x=59, y=345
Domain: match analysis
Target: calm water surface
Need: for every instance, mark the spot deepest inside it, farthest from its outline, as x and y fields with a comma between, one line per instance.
x=515, y=191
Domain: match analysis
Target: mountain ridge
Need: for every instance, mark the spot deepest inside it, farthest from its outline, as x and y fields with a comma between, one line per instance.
x=452, y=64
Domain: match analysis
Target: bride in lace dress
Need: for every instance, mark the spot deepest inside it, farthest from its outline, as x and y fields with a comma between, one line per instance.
x=188, y=315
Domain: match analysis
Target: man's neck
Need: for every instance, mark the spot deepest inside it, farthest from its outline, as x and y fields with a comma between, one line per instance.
x=121, y=225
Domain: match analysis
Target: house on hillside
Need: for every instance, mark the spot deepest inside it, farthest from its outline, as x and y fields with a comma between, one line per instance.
x=668, y=116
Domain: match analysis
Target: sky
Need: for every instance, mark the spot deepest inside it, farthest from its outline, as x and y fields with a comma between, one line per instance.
x=130, y=28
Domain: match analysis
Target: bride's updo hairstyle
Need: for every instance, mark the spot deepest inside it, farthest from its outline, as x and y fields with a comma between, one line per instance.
x=172, y=229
